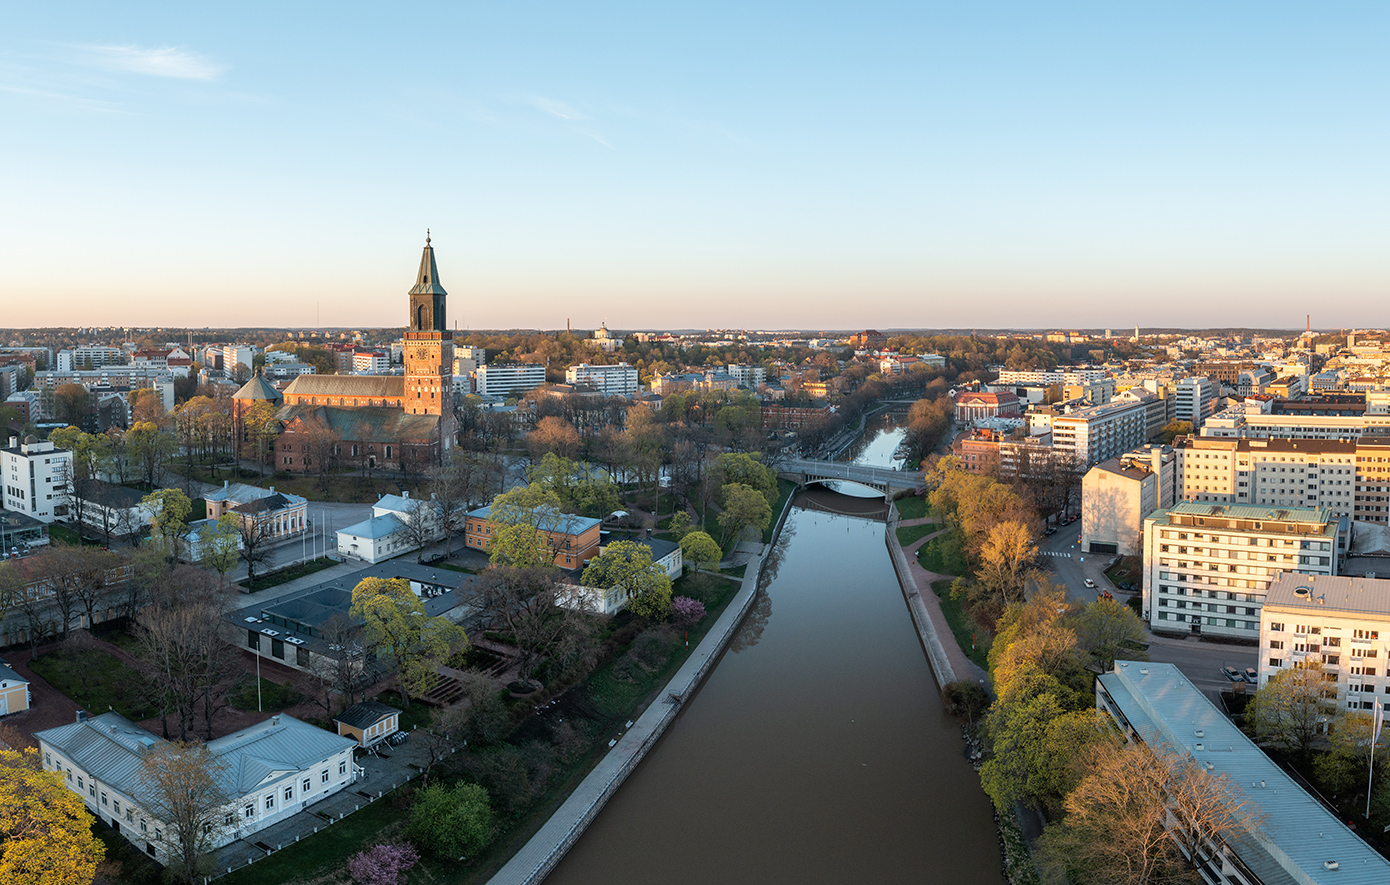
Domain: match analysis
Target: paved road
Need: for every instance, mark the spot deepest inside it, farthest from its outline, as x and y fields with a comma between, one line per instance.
x=1199, y=660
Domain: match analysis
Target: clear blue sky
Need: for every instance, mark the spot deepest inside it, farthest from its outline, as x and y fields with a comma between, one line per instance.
x=717, y=164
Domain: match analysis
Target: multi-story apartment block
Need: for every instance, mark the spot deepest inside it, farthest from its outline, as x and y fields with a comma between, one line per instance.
x=748, y=376
x=36, y=477
x=467, y=359
x=1158, y=407
x=619, y=380
x=509, y=379
x=1245, y=422
x=1194, y=400
x=1117, y=494
x=1096, y=433
x=234, y=355
x=94, y=357
x=1349, y=479
x=1335, y=621
x=1044, y=377
x=1207, y=566
x=371, y=362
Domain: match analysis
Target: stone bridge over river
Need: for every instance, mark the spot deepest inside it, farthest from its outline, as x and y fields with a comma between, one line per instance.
x=882, y=479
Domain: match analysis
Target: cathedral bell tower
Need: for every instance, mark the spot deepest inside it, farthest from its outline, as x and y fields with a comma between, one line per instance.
x=429, y=352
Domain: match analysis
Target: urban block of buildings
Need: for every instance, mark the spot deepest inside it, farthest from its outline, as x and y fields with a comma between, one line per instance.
x=1207, y=566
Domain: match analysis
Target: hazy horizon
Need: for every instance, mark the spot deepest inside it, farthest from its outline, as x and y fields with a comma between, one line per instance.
x=891, y=165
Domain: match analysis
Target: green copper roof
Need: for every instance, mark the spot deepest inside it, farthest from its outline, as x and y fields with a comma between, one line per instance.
x=427, y=280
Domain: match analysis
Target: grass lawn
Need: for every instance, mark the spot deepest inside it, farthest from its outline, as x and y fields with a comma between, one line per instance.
x=274, y=697
x=64, y=534
x=972, y=640
x=285, y=575
x=943, y=555
x=910, y=533
x=785, y=489
x=1125, y=570
x=97, y=680
x=911, y=507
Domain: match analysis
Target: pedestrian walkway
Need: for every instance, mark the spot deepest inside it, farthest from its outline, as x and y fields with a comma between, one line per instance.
x=545, y=849
x=959, y=662
x=1061, y=553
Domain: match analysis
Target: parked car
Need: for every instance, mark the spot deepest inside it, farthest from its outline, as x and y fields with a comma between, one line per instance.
x=1051, y=531
x=1251, y=676
x=1232, y=674
x=1090, y=583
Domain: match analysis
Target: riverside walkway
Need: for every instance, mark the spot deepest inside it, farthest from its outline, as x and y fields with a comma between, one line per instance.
x=546, y=848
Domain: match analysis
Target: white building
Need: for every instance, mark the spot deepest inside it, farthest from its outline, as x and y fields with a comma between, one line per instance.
x=748, y=376
x=1246, y=423
x=1117, y=494
x=1287, y=836
x=1097, y=433
x=234, y=355
x=1207, y=566
x=373, y=540
x=1336, y=621
x=605, y=340
x=272, y=770
x=619, y=380
x=1195, y=400
x=371, y=362
x=467, y=359
x=1045, y=377
x=36, y=476
x=95, y=356
x=509, y=379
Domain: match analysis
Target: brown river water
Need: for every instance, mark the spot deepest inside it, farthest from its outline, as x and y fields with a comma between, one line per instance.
x=817, y=749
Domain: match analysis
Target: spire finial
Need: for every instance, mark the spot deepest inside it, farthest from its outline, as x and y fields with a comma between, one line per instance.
x=427, y=236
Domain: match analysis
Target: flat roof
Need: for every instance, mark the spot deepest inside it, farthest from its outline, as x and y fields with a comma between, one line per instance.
x=1342, y=594
x=1297, y=835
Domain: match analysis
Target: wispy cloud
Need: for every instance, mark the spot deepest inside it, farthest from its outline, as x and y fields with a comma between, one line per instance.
x=166, y=61
x=577, y=120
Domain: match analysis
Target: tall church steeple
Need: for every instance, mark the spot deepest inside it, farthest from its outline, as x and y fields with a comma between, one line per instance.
x=427, y=296
x=429, y=352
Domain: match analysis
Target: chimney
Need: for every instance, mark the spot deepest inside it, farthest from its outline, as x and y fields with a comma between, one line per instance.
x=14, y=441
x=272, y=490
x=405, y=494
x=81, y=715
x=275, y=720
x=226, y=483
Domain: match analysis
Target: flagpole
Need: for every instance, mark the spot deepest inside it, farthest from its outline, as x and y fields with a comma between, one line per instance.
x=1377, y=720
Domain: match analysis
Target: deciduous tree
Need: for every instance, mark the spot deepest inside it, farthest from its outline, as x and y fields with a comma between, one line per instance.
x=699, y=549
x=1109, y=630
x=451, y=822
x=523, y=601
x=1294, y=707
x=45, y=832
x=744, y=508
x=627, y=566
x=182, y=786
x=395, y=623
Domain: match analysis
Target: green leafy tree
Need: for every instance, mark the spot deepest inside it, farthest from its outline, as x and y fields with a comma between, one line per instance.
x=747, y=470
x=451, y=823
x=627, y=566
x=394, y=623
x=1110, y=630
x=1175, y=429
x=744, y=507
x=1293, y=707
x=169, y=510
x=680, y=524
x=521, y=519
x=150, y=448
x=699, y=549
x=221, y=546
x=45, y=832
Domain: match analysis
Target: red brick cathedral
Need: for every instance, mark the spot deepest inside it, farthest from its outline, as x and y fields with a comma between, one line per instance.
x=388, y=422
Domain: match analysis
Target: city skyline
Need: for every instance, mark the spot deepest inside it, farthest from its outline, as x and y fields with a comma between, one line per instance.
x=896, y=166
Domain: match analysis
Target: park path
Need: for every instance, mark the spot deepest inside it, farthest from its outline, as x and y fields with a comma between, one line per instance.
x=964, y=667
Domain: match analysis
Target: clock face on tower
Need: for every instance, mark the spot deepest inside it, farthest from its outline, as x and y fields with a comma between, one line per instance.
x=422, y=353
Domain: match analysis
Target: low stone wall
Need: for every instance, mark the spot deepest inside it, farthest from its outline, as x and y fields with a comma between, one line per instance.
x=926, y=630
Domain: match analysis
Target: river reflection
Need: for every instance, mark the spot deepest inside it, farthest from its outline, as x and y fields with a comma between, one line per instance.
x=816, y=752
